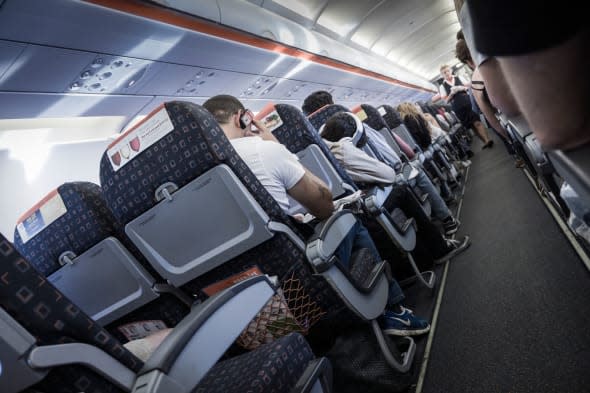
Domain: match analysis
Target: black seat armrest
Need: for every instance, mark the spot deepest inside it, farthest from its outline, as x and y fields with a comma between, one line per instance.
x=200, y=339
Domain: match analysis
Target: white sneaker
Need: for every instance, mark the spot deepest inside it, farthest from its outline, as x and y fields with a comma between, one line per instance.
x=466, y=163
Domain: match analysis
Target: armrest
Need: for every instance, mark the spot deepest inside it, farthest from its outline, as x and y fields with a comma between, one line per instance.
x=201, y=338
x=574, y=167
x=316, y=378
x=46, y=357
x=375, y=197
x=328, y=235
x=16, y=373
x=320, y=253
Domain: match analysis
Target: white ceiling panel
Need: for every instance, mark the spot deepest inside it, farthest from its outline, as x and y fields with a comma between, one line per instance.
x=380, y=27
x=309, y=9
x=344, y=16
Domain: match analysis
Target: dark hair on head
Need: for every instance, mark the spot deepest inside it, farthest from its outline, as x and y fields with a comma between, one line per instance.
x=339, y=126
x=460, y=35
x=315, y=101
x=223, y=106
x=462, y=52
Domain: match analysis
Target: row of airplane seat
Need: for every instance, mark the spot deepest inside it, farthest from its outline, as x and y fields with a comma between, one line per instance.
x=145, y=252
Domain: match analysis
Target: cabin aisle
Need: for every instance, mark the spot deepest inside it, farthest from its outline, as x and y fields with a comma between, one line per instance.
x=516, y=307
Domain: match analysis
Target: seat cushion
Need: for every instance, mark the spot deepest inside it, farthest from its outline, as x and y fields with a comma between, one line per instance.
x=272, y=368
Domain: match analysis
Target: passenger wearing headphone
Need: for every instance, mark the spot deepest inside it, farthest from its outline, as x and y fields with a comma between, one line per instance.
x=280, y=173
x=345, y=135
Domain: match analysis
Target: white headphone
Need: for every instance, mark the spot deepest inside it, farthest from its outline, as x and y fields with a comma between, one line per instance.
x=359, y=132
x=360, y=129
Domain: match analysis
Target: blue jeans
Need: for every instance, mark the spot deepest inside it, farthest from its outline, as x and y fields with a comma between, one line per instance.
x=439, y=207
x=358, y=237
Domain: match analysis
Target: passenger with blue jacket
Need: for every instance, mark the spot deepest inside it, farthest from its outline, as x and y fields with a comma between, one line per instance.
x=281, y=174
x=339, y=132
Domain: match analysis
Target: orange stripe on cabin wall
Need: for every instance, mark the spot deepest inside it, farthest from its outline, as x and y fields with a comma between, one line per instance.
x=165, y=15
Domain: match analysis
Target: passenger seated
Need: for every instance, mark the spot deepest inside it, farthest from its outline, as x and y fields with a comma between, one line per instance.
x=281, y=174
x=440, y=210
x=436, y=132
x=338, y=133
x=315, y=101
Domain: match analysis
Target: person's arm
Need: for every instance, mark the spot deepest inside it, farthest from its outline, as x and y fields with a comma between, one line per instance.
x=297, y=181
x=497, y=87
x=314, y=195
x=550, y=87
x=360, y=166
x=466, y=84
x=262, y=131
x=488, y=111
x=443, y=93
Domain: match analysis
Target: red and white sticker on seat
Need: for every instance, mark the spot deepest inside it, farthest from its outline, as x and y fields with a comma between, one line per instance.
x=137, y=139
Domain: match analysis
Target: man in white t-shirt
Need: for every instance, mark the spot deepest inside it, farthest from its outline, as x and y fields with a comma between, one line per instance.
x=281, y=174
x=277, y=169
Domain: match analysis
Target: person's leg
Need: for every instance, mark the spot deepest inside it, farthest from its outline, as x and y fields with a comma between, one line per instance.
x=445, y=190
x=428, y=236
x=358, y=237
x=439, y=207
x=483, y=134
x=396, y=319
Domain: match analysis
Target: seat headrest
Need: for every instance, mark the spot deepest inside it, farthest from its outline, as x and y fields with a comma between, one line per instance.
x=319, y=117
x=391, y=116
x=73, y=217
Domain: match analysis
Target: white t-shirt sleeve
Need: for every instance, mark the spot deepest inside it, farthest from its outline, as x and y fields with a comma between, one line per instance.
x=283, y=164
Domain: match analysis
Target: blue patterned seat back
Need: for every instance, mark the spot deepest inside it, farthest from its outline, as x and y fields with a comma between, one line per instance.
x=194, y=144
x=321, y=116
x=391, y=117
x=84, y=220
x=297, y=133
x=53, y=319
x=374, y=118
x=272, y=368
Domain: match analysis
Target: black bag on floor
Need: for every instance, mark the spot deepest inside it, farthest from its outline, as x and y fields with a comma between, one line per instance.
x=359, y=365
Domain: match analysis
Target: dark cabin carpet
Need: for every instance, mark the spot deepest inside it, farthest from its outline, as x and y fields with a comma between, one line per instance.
x=515, y=315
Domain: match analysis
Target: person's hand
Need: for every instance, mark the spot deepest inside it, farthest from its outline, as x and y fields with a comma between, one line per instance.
x=298, y=217
x=261, y=131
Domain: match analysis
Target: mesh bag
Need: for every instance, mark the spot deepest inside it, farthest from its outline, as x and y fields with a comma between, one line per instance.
x=277, y=319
